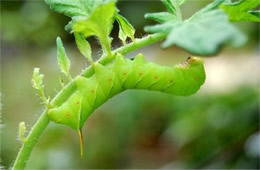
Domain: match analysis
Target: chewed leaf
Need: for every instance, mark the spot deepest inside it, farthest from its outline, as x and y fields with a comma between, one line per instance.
x=241, y=10
x=205, y=35
x=98, y=24
x=126, y=29
x=37, y=79
x=63, y=60
x=73, y=7
x=83, y=46
x=202, y=34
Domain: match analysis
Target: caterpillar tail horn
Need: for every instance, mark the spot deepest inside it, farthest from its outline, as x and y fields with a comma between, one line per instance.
x=81, y=143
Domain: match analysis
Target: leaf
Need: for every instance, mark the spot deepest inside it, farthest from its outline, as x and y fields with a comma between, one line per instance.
x=22, y=129
x=202, y=34
x=255, y=13
x=125, y=28
x=160, y=17
x=99, y=23
x=169, y=5
x=205, y=35
x=180, y=2
x=63, y=60
x=73, y=7
x=37, y=79
x=174, y=7
x=241, y=10
x=83, y=46
x=37, y=82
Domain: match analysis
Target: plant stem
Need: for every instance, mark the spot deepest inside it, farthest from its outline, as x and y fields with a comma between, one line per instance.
x=139, y=43
x=30, y=141
x=63, y=95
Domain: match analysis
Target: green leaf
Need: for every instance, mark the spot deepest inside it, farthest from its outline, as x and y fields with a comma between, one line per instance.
x=205, y=35
x=180, y=2
x=169, y=5
x=73, y=7
x=37, y=79
x=160, y=17
x=83, y=46
x=99, y=24
x=255, y=13
x=37, y=82
x=63, y=60
x=174, y=7
x=125, y=28
x=202, y=34
x=22, y=130
x=241, y=10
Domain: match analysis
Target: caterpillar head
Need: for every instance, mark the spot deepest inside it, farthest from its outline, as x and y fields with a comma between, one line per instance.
x=191, y=61
x=194, y=60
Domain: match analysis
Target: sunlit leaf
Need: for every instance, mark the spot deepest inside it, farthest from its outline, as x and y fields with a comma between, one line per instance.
x=63, y=60
x=99, y=23
x=73, y=7
x=83, y=46
x=125, y=28
x=242, y=10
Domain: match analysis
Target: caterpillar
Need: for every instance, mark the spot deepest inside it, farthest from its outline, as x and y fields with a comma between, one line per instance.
x=182, y=80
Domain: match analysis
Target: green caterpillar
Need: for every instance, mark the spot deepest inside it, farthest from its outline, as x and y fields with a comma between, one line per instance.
x=181, y=80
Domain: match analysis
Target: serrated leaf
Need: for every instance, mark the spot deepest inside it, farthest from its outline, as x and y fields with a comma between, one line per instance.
x=205, y=35
x=99, y=23
x=37, y=79
x=37, y=82
x=63, y=60
x=73, y=7
x=83, y=46
x=241, y=10
x=202, y=34
x=125, y=28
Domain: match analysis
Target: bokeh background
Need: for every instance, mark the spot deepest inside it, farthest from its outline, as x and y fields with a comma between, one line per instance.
x=216, y=128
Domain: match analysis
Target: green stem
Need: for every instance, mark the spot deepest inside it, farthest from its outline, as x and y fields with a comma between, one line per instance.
x=139, y=43
x=30, y=141
x=64, y=94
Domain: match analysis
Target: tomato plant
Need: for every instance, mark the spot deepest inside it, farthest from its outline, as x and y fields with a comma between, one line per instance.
x=203, y=34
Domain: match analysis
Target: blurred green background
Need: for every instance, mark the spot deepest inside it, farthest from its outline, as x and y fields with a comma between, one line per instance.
x=216, y=128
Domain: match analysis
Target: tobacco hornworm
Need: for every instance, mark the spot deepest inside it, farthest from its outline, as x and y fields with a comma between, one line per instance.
x=181, y=80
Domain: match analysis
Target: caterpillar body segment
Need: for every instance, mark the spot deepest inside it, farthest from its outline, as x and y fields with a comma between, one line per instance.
x=182, y=80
